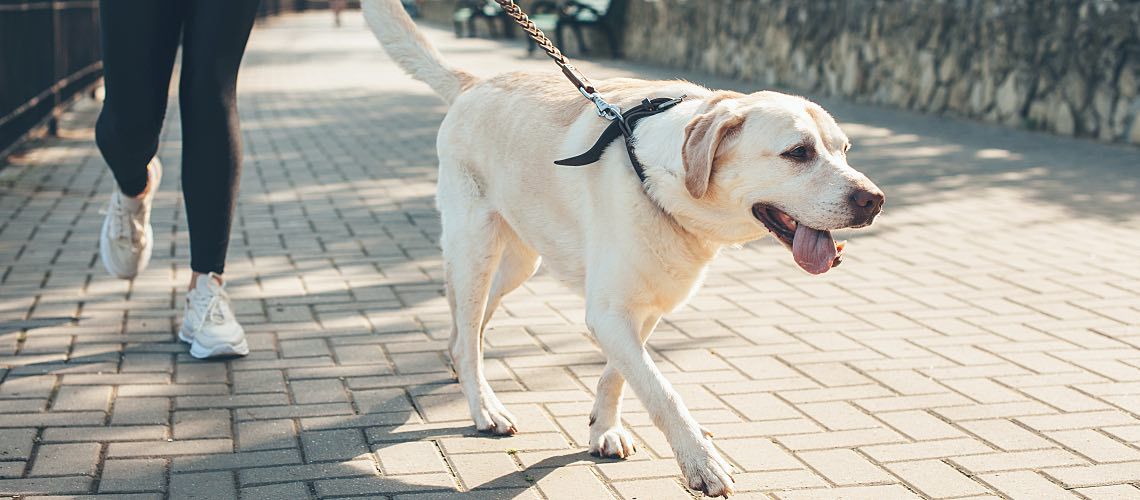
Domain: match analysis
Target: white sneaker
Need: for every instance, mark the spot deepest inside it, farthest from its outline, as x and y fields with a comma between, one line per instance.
x=127, y=238
x=208, y=323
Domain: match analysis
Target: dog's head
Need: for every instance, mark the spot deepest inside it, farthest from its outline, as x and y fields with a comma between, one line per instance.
x=777, y=162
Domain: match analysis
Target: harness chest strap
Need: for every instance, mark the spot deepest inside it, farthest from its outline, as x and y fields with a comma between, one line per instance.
x=622, y=126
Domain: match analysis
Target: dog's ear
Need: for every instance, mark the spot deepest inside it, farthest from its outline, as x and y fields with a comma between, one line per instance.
x=703, y=137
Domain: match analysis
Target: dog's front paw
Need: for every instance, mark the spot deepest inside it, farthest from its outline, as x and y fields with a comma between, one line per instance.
x=706, y=471
x=493, y=418
x=614, y=442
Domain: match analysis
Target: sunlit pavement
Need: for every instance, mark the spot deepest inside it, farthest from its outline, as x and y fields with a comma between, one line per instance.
x=983, y=338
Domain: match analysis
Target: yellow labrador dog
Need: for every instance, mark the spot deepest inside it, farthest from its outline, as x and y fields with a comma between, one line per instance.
x=722, y=168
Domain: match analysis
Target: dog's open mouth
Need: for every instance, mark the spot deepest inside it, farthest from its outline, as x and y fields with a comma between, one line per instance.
x=814, y=250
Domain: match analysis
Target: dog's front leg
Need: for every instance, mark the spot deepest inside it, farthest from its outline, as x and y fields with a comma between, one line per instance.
x=618, y=332
x=607, y=436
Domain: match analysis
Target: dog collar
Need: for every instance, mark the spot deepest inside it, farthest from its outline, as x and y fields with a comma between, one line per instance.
x=622, y=126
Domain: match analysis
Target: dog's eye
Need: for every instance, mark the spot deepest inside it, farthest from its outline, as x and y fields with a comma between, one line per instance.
x=798, y=153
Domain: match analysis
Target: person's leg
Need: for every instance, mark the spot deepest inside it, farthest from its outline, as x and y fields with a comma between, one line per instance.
x=140, y=40
x=213, y=43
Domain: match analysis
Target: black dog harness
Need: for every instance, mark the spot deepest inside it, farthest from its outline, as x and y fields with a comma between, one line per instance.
x=622, y=125
x=622, y=122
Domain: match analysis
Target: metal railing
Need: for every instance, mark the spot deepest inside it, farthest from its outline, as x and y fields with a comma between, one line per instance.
x=49, y=53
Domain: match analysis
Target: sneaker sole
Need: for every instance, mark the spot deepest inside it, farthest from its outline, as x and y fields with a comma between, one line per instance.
x=183, y=337
x=238, y=349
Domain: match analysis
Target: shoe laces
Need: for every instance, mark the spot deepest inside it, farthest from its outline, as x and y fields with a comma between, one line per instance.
x=126, y=224
x=214, y=303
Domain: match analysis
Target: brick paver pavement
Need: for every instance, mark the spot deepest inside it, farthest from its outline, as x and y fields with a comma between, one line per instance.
x=982, y=339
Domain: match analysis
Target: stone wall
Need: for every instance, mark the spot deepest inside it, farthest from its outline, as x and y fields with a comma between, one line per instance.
x=1067, y=66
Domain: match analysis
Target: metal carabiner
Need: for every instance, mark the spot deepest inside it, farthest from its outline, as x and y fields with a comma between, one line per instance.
x=605, y=109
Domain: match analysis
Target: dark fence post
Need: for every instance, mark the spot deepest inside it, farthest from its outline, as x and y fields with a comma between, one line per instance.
x=57, y=67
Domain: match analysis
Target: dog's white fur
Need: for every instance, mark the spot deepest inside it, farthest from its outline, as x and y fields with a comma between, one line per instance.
x=635, y=253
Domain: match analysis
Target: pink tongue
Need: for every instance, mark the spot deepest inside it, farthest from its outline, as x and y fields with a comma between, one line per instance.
x=813, y=250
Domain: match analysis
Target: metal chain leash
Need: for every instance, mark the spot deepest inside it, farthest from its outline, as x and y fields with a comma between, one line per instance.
x=605, y=109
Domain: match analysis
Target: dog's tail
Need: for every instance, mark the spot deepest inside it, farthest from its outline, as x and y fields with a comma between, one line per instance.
x=408, y=47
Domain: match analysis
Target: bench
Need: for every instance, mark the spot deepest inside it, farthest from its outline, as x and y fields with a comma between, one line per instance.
x=554, y=17
x=467, y=11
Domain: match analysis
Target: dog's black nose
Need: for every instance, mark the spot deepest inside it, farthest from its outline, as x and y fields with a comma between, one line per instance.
x=866, y=204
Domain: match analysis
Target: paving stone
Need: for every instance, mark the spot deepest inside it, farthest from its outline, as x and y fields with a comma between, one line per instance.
x=571, y=483
x=481, y=444
x=488, y=470
x=936, y=479
x=777, y=480
x=248, y=381
x=665, y=489
x=1006, y=435
x=624, y=470
x=202, y=424
x=304, y=348
x=14, y=469
x=266, y=475
x=844, y=467
x=839, y=439
x=1111, y=492
x=359, y=421
x=761, y=407
x=1096, y=446
x=340, y=444
x=16, y=443
x=65, y=459
x=1086, y=420
x=129, y=411
x=883, y=492
x=839, y=416
x=382, y=400
x=386, y=485
x=227, y=401
x=276, y=492
x=926, y=449
x=239, y=460
x=207, y=485
x=409, y=458
x=163, y=448
x=47, y=485
x=919, y=425
x=120, y=433
x=1035, y=459
x=266, y=434
x=1096, y=475
x=133, y=475
x=293, y=411
x=1026, y=484
x=758, y=454
x=73, y=398
x=317, y=391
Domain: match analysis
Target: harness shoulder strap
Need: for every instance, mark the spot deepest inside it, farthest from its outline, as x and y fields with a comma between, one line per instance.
x=622, y=126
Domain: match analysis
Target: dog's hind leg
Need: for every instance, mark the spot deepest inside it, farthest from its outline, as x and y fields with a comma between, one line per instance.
x=518, y=263
x=473, y=245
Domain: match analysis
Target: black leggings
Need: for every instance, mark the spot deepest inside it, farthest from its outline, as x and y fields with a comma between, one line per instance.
x=140, y=39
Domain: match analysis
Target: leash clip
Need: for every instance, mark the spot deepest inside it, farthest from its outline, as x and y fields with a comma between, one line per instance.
x=605, y=109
